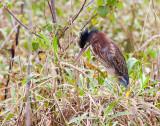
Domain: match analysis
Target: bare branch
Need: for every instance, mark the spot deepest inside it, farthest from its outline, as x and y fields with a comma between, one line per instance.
x=56, y=101
x=73, y=19
x=52, y=9
x=148, y=41
x=19, y=26
x=23, y=25
x=88, y=21
x=28, y=106
x=89, y=3
x=27, y=93
x=8, y=37
x=74, y=67
x=12, y=52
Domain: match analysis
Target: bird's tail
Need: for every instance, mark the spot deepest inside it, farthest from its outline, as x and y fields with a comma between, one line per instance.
x=85, y=35
x=124, y=80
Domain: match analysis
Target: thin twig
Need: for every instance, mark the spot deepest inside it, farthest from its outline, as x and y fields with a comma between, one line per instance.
x=8, y=37
x=73, y=19
x=19, y=26
x=56, y=101
x=27, y=93
x=145, y=21
x=53, y=10
x=28, y=106
x=53, y=13
x=148, y=41
x=23, y=25
x=88, y=21
x=11, y=13
x=12, y=52
x=70, y=22
x=8, y=80
x=72, y=66
x=17, y=34
x=19, y=116
x=16, y=44
x=89, y=3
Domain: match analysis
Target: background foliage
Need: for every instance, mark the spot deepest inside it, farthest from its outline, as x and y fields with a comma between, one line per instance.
x=38, y=66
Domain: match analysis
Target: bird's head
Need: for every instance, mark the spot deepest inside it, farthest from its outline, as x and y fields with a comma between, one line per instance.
x=84, y=41
x=85, y=36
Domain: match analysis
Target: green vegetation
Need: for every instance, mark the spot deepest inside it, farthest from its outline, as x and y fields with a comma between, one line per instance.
x=40, y=83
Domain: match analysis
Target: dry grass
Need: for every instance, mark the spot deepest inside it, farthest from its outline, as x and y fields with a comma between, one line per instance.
x=65, y=93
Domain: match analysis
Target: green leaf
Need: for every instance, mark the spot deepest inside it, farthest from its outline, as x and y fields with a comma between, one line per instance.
x=102, y=11
x=81, y=92
x=48, y=27
x=119, y=5
x=25, y=45
x=88, y=54
x=1, y=5
x=100, y=2
x=35, y=46
x=78, y=119
x=9, y=116
x=152, y=53
x=118, y=114
x=131, y=62
x=111, y=2
x=110, y=107
x=111, y=17
x=55, y=47
x=59, y=94
x=101, y=80
x=24, y=81
x=48, y=85
x=46, y=41
x=43, y=42
x=59, y=12
x=39, y=97
x=144, y=81
x=55, y=44
x=9, y=4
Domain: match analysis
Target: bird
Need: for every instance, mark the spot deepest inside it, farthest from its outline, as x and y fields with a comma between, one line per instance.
x=107, y=52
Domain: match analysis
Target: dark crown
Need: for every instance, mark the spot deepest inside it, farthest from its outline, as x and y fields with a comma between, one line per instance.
x=85, y=35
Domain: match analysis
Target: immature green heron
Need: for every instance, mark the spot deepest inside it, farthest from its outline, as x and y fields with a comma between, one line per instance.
x=107, y=52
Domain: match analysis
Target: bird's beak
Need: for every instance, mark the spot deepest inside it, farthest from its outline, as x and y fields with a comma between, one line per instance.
x=81, y=53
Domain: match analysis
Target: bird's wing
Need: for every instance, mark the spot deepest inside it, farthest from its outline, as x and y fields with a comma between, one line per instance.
x=114, y=57
x=118, y=62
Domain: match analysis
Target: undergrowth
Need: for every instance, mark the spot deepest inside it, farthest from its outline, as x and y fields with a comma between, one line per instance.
x=63, y=92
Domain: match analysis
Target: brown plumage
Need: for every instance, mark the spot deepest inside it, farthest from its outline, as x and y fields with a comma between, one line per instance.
x=107, y=52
